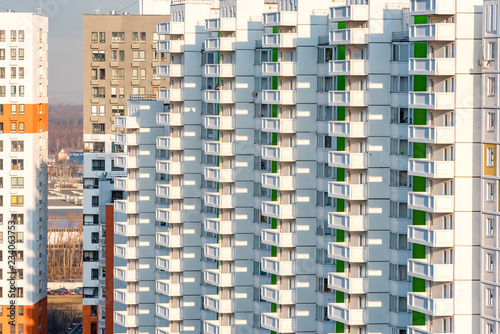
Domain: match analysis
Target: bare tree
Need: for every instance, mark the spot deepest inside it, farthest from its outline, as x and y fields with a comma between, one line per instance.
x=60, y=319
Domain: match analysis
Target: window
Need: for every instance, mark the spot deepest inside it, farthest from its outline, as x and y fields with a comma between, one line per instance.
x=13, y=91
x=21, y=35
x=491, y=86
x=18, y=218
x=139, y=55
x=2, y=54
x=490, y=227
x=122, y=55
x=102, y=110
x=13, y=72
x=21, y=54
x=118, y=37
x=20, y=329
x=2, y=72
x=490, y=192
x=21, y=109
x=13, y=127
x=17, y=164
x=93, y=310
x=21, y=72
x=490, y=297
x=17, y=182
x=94, y=110
x=13, y=109
x=17, y=146
x=490, y=264
x=13, y=54
x=98, y=165
x=94, y=37
x=98, y=55
x=143, y=37
x=98, y=92
x=95, y=200
x=2, y=35
x=90, y=256
x=102, y=74
x=21, y=91
x=490, y=121
x=118, y=73
x=21, y=127
x=114, y=168
x=93, y=74
x=102, y=37
x=98, y=128
x=17, y=200
x=489, y=328
x=143, y=74
x=94, y=274
x=13, y=36
x=135, y=37
x=2, y=91
x=95, y=237
x=135, y=74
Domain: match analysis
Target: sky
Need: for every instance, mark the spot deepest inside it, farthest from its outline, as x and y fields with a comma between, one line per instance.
x=66, y=39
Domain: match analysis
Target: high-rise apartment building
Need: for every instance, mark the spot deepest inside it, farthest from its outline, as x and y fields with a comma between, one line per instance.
x=120, y=61
x=23, y=172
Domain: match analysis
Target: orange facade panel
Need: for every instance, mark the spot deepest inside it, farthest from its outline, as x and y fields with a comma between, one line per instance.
x=89, y=321
x=28, y=118
x=27, y=319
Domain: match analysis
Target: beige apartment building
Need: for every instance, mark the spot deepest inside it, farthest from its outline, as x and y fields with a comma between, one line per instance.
x=120, y=62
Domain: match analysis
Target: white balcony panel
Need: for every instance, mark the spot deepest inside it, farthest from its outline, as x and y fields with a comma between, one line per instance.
x=169, y=167
x=422, y=330
x=351, y=192
x=219, y=96
x=163, y=28
x=167, y=264
x=217, y=200
x=169, y=95
x=279, y=69
x=279, y=125
x=168, y=216
x=279, y=211
x=432, y=66
x=168, y=240
x=219, y=70
x=220, y=44
x=126, y=162
x=216, y=252
x=123, y=319
x=172, y=46
x=215, y=327
x=340, y=159
x=170, y=28
x=219, y=122
x=127, y=230
x=431, y=203
x=277, y=182
x=349, y=13
x=126, y=275
x=273, y=294
x=350, y=285
x=283, y=18
x=219, y=175
x=432, y=101
x=215, y=277
x=430, y=237
x=349, y=36
x=274, y=266
x=276, y=153
x=165, y=287
x=216, y=304
x=281, y=97
x=227, y=24
x=127, y=207
x=170, y=192
x=342, y=313
x=347, y=222
x=125, y=252
x=432, y=7
x=126, y=184
x=429, y=271
x=432, y=32
x=125, y=297
x=215, y=225
x=168, y=312
x=126, y=122
x=276, y=238
x=273, y=322
x=169, y=143
x=172, y=70
x=437, y=307
x=352, y=98
x=442, y=135
x=432, y=169
x=218, y=148
x=170, y=119
x=348, y=67
x=284, y=40
x=353, y=254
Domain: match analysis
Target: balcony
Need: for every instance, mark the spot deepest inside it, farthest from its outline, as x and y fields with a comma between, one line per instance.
x=432, y=66
x=169, y=95
x=278, y=267
x=280, y=97
x=345, y=160
x=279, y=125
x=215, y=225
x=354, y=98
x=169, y=192
x=430, y=271
x=353, y=286
x=421, y=330
x=432, y=101
x=278, y=211
x=126, y=184
x=429, y=237
x=341, y=251
x=172, y=46
x=215, y=327
x=443, y=32
x=278, y=239
x=216, y=278
x=431, y=203
x=347, y=222
x=349, y=13
x=280, y=19
x=277, y=153
x=217, y=200
x=220, y=44
x=123, y=319
x=126, y=275
x=216, y=304
x=273, y=294
x=349, y=36
x=169, y=167
x=432, y=7
x=130, y=139
x=219, y=122
x=218, y=174
x=273, y=322
x=172, y=70
x=219, y=71
x=127, y=230
x=225, y=24
x=436, y=307
x=342, y=313
x=219, y=96
x=125, y=252
x=285, y=40
x=168, y=216
x=124, y=206
x=127, y=122
x=279, y=69
x=169, y=312
x=438, y=135
x=219, y=253
x=218, y=148
x=170, y=28
x=125, y=297
x=170, y=119
x=169, y=143
x=126, y=162
x=350, y=192
x=167, y=264
x=432, y=169
x=165, y=287
x=277, y=182
x=166, y=239
x=348, y=67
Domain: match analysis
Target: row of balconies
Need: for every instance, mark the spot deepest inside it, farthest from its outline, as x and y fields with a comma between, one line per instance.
x=349, y=13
